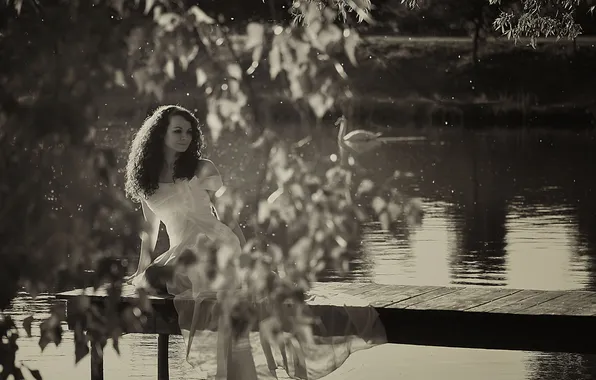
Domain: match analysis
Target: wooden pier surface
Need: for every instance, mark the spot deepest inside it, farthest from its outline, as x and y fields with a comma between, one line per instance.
x=471, y=317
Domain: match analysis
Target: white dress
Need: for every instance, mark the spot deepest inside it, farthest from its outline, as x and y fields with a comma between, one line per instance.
x=184, y=207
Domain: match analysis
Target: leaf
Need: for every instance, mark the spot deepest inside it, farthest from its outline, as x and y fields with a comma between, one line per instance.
x=27, y=325
x=320, y=104
x=36, y=374
x=119, y=78
x=148, y=6
x=351, y=41
x=365, y=186
x=274, y=61
x=378, y=204
x=168, y=21
x=302, y=50
x=81, y=343
x=331, y=34
x=18, y=4
x=301, y=247
x=235, y=71
x=257, y=53
x=17, y=374
x=140, y=77
x=215, y=125
x=200, y=16
x=395, y=210
x=118, y=5
x=340, y=70
x=51, y=331
x=385, y=220
x=362, y=8
x=169, y=69
x=227, y=108
x=115, y=340
x=255, y=34
x=201, y=77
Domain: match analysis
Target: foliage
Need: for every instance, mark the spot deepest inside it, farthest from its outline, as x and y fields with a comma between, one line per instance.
x=513, y=19
x=62, y=212
x=540, y=18
x=75, y=218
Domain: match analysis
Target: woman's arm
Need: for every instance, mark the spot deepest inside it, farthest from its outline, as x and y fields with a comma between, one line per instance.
x=148, y=237
x=207, y=168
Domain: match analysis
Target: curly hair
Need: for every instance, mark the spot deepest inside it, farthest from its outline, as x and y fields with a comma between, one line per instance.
x=146, y=157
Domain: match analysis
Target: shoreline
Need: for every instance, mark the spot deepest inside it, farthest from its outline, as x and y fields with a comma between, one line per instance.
x=420, y=82
x=396, y=113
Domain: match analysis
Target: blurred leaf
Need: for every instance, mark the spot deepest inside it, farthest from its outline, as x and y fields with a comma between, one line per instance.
x=215, y=125
x=385, y=220
x=148, y=6
x=274, y=60
x=27, y=325
x=320, y=104
x=200, y=16
x=366, y=186
x=255, y=34
x=394, y=210
x=36, y=374
x=115, y=345
x=201, y=77
x=329, y=35
x=351, y=41
x=168, y=21
x=378, y=204
x=169, y=69
x=51, y=332
x=235, y=71
x=81, y=343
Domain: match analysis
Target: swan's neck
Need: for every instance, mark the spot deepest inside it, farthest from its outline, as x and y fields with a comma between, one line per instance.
x=342, y=130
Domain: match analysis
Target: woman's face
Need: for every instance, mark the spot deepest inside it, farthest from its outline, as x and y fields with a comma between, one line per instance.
x=178, y=134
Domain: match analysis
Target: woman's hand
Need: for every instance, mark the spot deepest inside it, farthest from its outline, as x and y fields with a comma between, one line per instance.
x=129, y=279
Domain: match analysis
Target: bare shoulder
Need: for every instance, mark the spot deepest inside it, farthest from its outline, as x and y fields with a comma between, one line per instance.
x=206, y=168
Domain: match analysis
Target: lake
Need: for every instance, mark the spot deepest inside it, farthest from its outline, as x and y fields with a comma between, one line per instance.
x=502, y=208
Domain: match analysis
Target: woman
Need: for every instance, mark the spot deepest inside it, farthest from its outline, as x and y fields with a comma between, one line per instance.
x=175, y=185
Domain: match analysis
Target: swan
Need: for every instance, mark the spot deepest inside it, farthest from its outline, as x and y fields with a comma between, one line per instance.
x=360, y=140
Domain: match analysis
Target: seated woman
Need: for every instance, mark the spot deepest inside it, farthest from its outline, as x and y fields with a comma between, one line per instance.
x=167, y=174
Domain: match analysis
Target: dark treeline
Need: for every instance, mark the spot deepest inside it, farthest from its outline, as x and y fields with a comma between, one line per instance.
x=430, y=18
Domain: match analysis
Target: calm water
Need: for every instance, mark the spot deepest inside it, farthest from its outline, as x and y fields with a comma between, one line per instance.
x=508, y=209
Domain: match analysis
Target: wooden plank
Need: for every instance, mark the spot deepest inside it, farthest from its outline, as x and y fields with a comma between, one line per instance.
x=362, y=290
x=588, y=309
x=397, y=293
x=128, y=294
x=552, y=321
x=520, y=306
x=513, y=298
x=423, y=297
x=463, y=298
x=566, y=305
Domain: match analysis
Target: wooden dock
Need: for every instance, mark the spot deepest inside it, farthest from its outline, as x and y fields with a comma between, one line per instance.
x=466, y=317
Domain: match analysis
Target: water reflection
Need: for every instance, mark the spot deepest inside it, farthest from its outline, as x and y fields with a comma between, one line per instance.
x=512, y=209
x=562, y=366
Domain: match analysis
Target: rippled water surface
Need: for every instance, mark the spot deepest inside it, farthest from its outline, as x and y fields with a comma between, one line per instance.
x=509, y=209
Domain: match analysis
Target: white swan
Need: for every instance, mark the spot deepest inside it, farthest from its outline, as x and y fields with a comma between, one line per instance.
x=360, y=140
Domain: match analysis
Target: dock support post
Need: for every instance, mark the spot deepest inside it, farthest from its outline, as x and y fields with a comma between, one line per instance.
x=96, y=364
x=163, y=372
